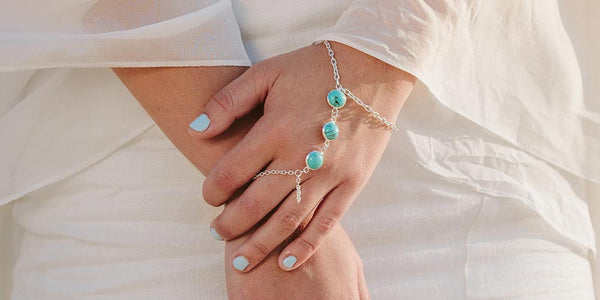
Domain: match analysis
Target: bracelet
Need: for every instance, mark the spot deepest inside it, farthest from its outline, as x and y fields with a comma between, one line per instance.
x=336, y=98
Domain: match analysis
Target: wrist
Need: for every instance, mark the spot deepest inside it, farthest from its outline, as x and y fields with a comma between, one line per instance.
x=379, y=84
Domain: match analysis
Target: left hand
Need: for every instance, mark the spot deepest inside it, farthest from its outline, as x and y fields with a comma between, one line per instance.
x=293, y=88
x=335, y=271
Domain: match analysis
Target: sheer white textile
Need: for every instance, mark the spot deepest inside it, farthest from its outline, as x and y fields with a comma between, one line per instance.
x=507, y=66
x=139, y=33
x=125, y=228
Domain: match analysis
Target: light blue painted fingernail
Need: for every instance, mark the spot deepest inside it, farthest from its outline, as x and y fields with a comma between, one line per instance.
x=289, y=261
x=201, y=123
x=215, y=234
x=240, y=263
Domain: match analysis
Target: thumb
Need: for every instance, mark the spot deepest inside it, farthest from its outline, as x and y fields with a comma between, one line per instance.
x=235, y=100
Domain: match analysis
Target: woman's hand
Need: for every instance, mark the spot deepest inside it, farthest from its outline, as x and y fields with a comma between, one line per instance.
x=293, y=88
x=334, y=272
x=175, y=96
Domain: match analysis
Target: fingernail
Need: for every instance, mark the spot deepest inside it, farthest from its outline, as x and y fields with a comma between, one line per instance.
x=289, y=261
x=201, y=123
x=215, y=234
x=240, y=263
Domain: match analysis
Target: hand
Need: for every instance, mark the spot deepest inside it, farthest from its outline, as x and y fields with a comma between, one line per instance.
x=334, y=272
x=173, y=97
x=293, y=88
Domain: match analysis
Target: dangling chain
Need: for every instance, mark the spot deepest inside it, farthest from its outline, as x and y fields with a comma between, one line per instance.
x=336, y=99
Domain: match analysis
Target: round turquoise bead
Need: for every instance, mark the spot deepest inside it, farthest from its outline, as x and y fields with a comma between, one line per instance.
x=330, y=131
x=336, y=98
x=314, y=160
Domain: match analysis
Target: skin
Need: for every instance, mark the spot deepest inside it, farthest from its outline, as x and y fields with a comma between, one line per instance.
x=173, y=97
x=293, y=88
x=334, y=272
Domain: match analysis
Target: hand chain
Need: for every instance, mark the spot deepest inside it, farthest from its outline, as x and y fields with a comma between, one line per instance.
x=334, y=116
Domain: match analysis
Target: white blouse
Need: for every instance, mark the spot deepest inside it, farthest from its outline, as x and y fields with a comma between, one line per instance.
x=506, y=65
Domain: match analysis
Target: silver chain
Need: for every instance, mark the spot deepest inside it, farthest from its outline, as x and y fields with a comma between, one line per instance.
x=338, y=85
x=298, y=173
x=334, y=116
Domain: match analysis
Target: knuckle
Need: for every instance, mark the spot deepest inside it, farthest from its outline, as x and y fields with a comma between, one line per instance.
x=253, y=206
x=224, y=231
x=358, y=178
x=259, y=247
x=209, y=199
x=225, y=181
x=324, y=224
x=288, y=221
x=259, y=68
x=208, y=196
x=307, y=245
x=224, y=100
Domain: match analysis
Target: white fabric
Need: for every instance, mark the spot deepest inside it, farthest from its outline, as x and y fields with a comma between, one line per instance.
x=580, y=19
x=125, y=228
x=424, y=232
x=528, y=92
x=102, y=33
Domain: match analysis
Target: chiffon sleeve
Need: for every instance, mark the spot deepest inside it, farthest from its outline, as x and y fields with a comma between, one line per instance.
x=106, y=33
x=508, y=66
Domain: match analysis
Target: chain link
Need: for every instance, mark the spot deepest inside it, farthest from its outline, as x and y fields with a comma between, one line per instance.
x=338, y=85
x=298, y=173
x=336, y=74
x=334, y=116
x=369, y=109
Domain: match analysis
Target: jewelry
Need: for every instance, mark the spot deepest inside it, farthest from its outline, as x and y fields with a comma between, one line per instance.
x=336, y=98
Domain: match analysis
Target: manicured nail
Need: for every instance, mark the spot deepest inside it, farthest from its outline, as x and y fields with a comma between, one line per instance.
x=215, y=235
x=240, y=263
x=201, y=123
x=289, y=261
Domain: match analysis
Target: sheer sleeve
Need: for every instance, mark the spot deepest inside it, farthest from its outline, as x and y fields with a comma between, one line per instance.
x=106, y=33
x=508, y=66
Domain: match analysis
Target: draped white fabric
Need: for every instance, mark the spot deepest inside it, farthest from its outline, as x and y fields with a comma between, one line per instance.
x=507, y=66
x=37, y=34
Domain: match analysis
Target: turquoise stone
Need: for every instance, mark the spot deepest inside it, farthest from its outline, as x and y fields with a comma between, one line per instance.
x=314, y=160
x=330, y=131
x=336, y=98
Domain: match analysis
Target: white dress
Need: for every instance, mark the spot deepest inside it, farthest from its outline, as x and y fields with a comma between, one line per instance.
x=485, y=193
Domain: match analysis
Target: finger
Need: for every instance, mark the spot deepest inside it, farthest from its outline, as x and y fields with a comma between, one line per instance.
x=235, y=100
x=240, y=164
x=327, y=215
x=260, y=198
x=283, y=223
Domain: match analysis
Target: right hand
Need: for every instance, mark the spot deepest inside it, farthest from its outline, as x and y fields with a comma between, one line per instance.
x=334, y=272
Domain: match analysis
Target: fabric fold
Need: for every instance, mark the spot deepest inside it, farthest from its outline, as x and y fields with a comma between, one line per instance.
x=58, y=130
